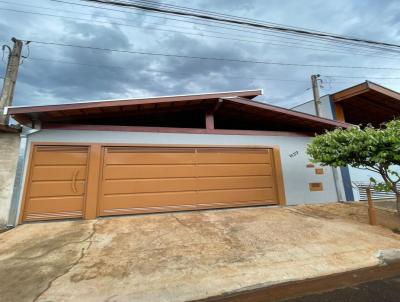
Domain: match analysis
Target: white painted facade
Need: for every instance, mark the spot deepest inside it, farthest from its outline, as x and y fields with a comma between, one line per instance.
x=292, y=149
x=9, y=147
x=309, y=107
x=357, y=175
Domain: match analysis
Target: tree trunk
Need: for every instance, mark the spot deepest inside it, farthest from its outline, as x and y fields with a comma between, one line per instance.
x=398, y=202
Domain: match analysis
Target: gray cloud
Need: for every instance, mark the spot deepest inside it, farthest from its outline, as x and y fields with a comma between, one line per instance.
x=42, y=82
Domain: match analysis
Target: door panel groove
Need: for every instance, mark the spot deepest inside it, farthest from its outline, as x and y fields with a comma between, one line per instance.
x=57, y=183
x=161, y=179
x=128, y=180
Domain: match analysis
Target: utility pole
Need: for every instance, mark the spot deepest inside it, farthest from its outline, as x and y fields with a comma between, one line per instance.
x=317, y=103
x=10, y=79
x=315, y=88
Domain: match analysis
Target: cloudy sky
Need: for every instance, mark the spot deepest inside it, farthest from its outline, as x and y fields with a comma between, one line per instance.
x=54, y=74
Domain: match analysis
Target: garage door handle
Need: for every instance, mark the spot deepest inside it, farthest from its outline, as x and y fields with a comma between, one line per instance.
x=73, y=183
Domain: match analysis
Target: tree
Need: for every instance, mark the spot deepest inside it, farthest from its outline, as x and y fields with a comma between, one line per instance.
x=373, y=149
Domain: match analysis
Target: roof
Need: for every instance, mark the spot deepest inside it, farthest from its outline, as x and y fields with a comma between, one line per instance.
x=10, y=129
x=250, y=94
x=368, y=102
x=286, y=118
x=232, y=110
x=362, y=88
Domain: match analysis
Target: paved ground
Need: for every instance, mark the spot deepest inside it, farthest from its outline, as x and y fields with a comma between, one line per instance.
x=386, y=290
x=182, y=256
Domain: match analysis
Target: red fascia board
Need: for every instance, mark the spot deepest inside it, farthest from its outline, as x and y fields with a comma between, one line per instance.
x=128, y=102
x=291, y=113
x=175, y=130
x=349, y=92
x=386, y=91
x=362, y=88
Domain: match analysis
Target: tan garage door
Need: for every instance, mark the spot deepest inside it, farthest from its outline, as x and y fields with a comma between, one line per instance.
x=139, y=180
x=56, y=184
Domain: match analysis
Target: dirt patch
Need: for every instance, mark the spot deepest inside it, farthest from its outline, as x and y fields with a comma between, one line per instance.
x=389, y=204
x=3, y=230
x=354, y=211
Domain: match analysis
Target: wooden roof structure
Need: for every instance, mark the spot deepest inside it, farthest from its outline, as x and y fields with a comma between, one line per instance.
x=366, y=103
x=233, y=110
x=10, y=129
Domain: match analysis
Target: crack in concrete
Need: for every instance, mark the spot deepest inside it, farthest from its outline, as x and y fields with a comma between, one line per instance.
x=52, y=250
x=180, y=221
x=76, y=262
x=146, y=248
x=215, y=225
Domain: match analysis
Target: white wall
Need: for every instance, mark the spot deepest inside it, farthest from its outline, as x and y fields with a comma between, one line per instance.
x=356, y=175
x=308, y=107
x=9, y=148
x=296, y=175
x=327, y=112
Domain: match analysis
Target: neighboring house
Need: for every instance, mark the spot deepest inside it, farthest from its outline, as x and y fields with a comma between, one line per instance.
x=172, y=153
x=9, y=146
x=365, y=103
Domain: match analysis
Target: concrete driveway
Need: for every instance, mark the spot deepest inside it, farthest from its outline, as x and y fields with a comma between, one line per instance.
x=181, y=256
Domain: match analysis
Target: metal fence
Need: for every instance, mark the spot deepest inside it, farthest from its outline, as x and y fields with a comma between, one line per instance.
x=362, y=189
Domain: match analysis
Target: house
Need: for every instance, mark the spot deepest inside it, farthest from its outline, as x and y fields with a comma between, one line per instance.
x=362, y=104
x=171, y=153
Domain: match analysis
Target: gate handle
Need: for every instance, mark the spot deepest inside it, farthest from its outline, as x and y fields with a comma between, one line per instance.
x=73, y=184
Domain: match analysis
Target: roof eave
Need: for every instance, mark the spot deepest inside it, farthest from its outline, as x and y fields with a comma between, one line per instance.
x=317, y=119
x=361, y=88
x=118, y=102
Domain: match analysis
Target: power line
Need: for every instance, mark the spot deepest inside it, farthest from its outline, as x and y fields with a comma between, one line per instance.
x=284, y=32
x=131, y=25
x=361, y=77
x=163, y=4
x=263, y=41
x=234, y=27
x=166, y=18
x=241, y=21
x=211, y=72
x=284, y=28
x=156, y=70
x=210, y=58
